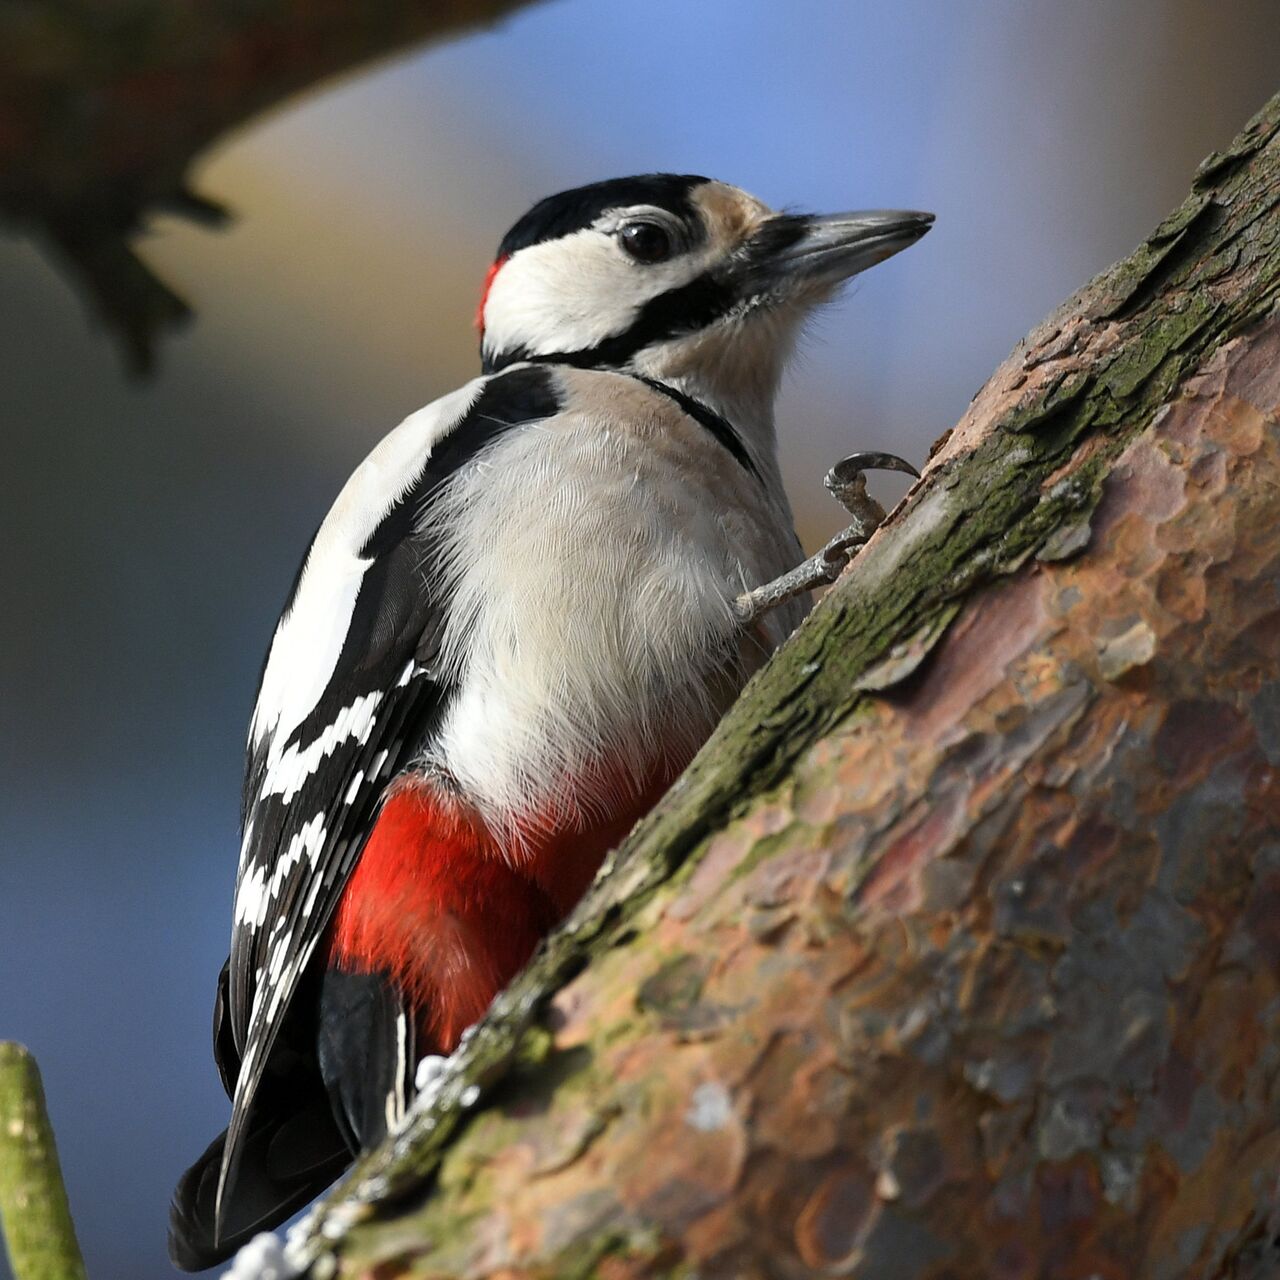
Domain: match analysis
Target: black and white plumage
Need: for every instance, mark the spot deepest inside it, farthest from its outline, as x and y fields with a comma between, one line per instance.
x=514, y=625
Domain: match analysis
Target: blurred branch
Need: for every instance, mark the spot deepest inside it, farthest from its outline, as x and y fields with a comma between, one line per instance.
x=956, y=952
x=104, y=107
x=38, y=1231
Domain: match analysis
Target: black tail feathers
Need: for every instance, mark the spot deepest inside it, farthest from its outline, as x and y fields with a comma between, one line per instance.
x=310, y=1113
x=286, y=1163
x=367, y=1049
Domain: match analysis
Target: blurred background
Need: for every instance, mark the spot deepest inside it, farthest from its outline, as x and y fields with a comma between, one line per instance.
x=313, y=192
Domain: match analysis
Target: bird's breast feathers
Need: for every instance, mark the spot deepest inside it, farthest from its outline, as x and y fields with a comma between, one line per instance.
x=583, y=564
x=591, y=562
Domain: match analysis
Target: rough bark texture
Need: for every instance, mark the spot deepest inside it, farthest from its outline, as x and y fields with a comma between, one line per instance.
x=957, y=951
x=39, y=1235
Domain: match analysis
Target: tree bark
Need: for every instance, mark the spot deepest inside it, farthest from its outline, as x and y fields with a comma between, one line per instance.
x=956, y=952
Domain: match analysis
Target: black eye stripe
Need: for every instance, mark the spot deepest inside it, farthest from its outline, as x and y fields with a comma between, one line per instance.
x=701, y=302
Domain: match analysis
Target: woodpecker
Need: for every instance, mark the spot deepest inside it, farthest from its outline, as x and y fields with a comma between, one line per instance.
x=526, y=610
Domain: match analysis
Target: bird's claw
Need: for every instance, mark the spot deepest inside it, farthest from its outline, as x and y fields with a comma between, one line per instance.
x=847, y=482
x=868, y=460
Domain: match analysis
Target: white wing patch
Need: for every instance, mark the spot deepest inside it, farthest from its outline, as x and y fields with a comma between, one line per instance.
x=309, y=638
x=251, y=899
x=256, y=891
x=296, y=763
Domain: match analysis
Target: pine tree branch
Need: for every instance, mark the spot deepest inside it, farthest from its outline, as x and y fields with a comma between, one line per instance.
x=131, y=92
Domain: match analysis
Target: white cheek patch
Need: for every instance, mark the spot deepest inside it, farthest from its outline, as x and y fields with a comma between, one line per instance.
x=573, y=293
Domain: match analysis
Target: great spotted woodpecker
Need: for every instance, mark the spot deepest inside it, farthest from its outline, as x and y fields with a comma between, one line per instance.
x=524, y=613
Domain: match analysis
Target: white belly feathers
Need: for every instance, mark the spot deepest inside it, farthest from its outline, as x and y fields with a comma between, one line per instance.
x=592, y=560
x=586, y=563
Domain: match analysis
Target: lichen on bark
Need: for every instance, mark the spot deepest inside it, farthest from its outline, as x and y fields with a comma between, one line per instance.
x=955, y=951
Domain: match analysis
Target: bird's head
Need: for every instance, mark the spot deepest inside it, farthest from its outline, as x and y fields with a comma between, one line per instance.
x=675, y=277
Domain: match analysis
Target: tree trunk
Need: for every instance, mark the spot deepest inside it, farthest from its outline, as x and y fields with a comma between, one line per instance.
x=957, y=950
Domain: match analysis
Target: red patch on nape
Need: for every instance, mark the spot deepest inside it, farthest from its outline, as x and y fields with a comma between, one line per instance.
x=489, y=278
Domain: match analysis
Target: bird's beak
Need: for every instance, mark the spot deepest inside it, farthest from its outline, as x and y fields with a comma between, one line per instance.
x=798, y=252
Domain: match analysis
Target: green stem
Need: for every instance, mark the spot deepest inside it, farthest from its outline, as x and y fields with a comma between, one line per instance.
x=38, y=1231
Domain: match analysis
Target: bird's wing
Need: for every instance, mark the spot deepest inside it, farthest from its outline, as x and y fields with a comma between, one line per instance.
x=349, y=692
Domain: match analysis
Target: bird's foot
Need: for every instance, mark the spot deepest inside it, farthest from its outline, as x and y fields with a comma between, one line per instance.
x=847, y=482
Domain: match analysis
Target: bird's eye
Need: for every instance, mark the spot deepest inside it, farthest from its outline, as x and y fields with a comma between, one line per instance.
x=645, y=241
